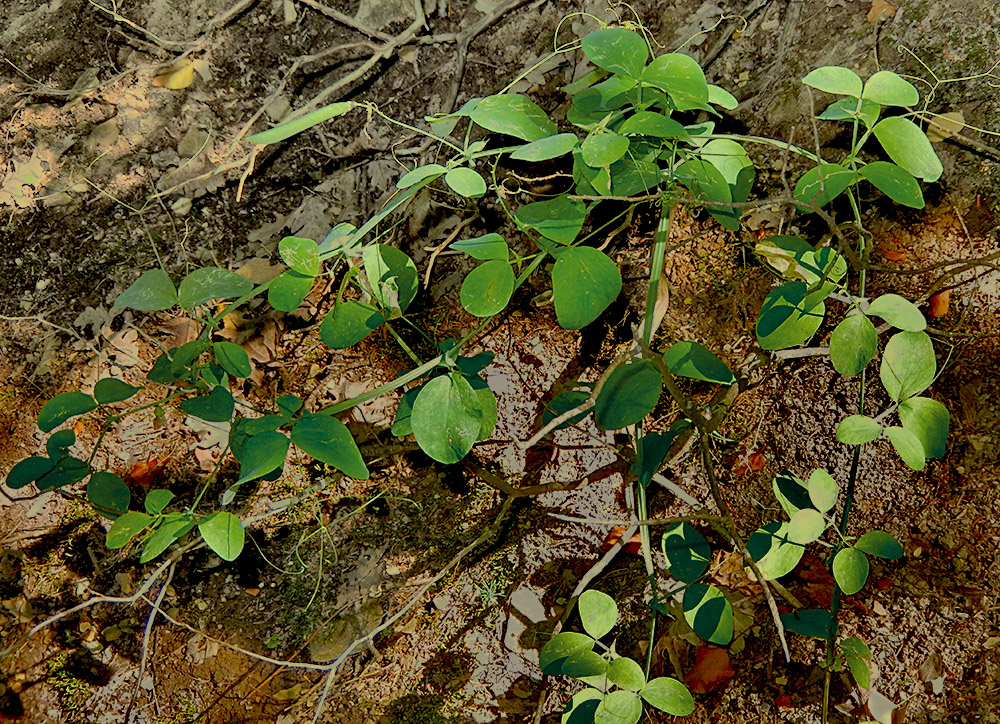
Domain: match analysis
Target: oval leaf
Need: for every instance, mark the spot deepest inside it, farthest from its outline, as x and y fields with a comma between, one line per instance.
x=628, y=395
x=411, y=178
x=166, y=533
x=894, y=182
x=908, y=146
x=836, y=80
x=328, y=440
x=62, y=407
x=681, y=77
x=881, y=544
x=598, y=612
x=619, y=707
x=929, y=420
x=125, y=528
x=616, y=50
x=908, y=446
x=208, y=283
x=109, y=390
x=822, y=184
x=806, y=526
x=216, y=406
x=908, y=364
x=348, y=323
x=513, y=115
x=603, y=149
x=898, y=312
x=850, y=570
x=465, y=182
x=773, y=550
x=690, y=359
x=484, y=248
x=545, y=148
x=560, y=647
x=224, y=534
x=687, y=552
x=668, y=695
x=626, y=674
x=709, y=613
x=853, y=345
x=28, y=471
x=109, y=494
x=446, y=418
x=559, y=219
x=300, y=254
x=584, y=283
x=788, y=317
x=823, y=491
x=487, y=288
x=392, y=276
x=233, y=359
x=260, y=455
x=151, y=292
x=889, y=89
x=858, y=429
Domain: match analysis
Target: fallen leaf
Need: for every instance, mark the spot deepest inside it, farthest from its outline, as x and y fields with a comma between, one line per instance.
x=175, y=76
x=753, y=462
x=730, y=573
x=940, y=302
x=292, y=693
x=259, y=270
x=146, y=472
x=894, y=254
x=944, y=126
x=711, y=670
x=880, y=10
x=615, y=536
x=783, y=702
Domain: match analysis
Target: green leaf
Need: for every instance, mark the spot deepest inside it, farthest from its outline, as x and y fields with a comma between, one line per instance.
x=157, y=500
x=484, y=248
x=584, y=283
x=619, y=707
x=59, y=443
x=858, y=429
x=328, y=440
x=465, y=182
x=853, y=344
x=109, y=494
x=850, y=570
x=908, y=364
x=823, y=491
x=729, y=157
x=690, y=359
x=822, y=184
x=428, y=171
x=167, y=532
x=707, y=184
x=668, y=695
x=859, y=658
x=797, y=260
x=261, y=454
x=224, y=534
x=392, y=276
x=288, y=405
x=836, y=80
x=681, y=77
x=847, y=109
x=62, y=407
x=653, y=449
x=626, y=674
x=633, y=176
x=300, y=254
x=898, y=312
x=233, y=359
x=487, y=288
x=126, y=527
x=773, y=550
x=109, y=390
x=564, y=402
x=603, y=149
x=687, y=552
x=598, y=612
x=791, y=493
x=806, y=526
x=28, y=471
x=929, y=420
x=513, y=115
x=208, y=283
x=447, y=418
x=788, y=317
x=545, y=148
x=303, y=123
x=580, y=709
x=348, y=323
x=288, y=290
x=216, y=406
x=655, y=125
x=616, y=50
x=881, y=544
x=628, y=395
x=561, y=646
x=721, y=97
x=151, y=292
x=813, y=622
x=709, y=613
x=559, y=219
x=66, y=471
x=584, y=665
x=889, y=89
x=487, y=405
x=908, y=446
x=908, y=146
x=894, y=182
x=402, y=424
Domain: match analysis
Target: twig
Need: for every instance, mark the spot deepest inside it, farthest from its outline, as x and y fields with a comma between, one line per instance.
x=345, y=20
x=441, y=247
x=154, y=609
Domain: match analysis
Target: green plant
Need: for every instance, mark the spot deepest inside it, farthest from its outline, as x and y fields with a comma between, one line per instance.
x=630, y=139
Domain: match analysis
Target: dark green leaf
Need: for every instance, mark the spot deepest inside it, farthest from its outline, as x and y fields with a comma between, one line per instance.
x=28, y=471
x=813, y=622
x=487, y=288
x=165, y=534
x=402, y=425
x=559, y=219
x=822, y=184
x=429, y=171
x=894, y=182
x=603, y=149
x=151, y=292
x=788, y=317
x=653, y=448
x=775, y=553
x=707, y=184
x=217, y=406
x=853, y=344
x=328, y=440
x=484, y=248
x=487, y=406
x=628, y=395
x=233, y=359
x=681, y=77
x=616, y=50
x=598, y=612
x=908, y=146
x=348, y=323
x=584, y=283
x=59, y=442
x=850, y=570
x=288, y=405
x=261, y=454
x=157, y=500
x=687, y=552
x=109, y=390
x=447, y=418
x=66, y=471
x=655, y=125
x=859, y=658
x=881, y=544
x=126, y=527
x=690, y=359
x=584, y=664
x=582, y=707
x=564, y=402
x=559, y=648
x=109, y=494
x=846, y=109
x=208, y=283
x=62, y=407
x=224, y=534
x=929, y=420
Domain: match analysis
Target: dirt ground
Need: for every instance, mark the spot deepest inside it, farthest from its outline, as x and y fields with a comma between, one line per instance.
x=105, y=168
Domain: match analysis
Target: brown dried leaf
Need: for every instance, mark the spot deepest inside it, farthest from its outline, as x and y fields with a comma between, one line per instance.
x=881, y=10
x=711, y=671
x=940, y=302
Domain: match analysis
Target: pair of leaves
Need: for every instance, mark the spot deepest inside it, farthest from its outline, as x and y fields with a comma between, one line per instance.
x=854, y=341
x=154, y=291
x=222, y=531
x=289, y=289
x=55, y=471
x=850, y=565
x=706, y=609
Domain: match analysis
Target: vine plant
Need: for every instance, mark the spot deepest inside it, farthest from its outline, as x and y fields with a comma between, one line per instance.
x=630, y=135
